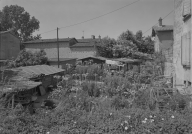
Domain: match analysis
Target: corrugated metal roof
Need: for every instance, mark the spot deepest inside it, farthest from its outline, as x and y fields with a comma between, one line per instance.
x=20, y=86
x=163, y=28
x=40, y=69
x=49, y=40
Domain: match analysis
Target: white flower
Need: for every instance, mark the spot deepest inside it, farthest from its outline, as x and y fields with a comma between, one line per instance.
x=110, y=114
x=128, y=116
x=47, y=133
x=162, y=119
x=172, y=116
x=145, y=119
x=150, y=116
x=75, y=122
x=121, y=124
x=152, y=120
x=126, y=128
x=125, y=121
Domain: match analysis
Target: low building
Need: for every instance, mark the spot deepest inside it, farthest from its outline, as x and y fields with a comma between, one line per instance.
x=69, y=48
x=163, y=35
x=9, y=46
x=94, y=60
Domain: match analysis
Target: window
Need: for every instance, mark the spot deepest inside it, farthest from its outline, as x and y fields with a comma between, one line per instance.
x=186, y=9
x=185, y=49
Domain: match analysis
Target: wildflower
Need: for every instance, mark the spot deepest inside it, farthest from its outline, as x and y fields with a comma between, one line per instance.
x=172, y=116
x=150, y=116
x=75, y=122
x=145, y=119
x=126, y=122
x=110, y=114
x=121, y=124
x=152, y=120
x=128, y=116
x=162, y=119
x=126, y=128
x=47, y=132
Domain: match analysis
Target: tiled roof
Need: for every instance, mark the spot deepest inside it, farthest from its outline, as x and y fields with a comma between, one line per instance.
x=49, y=40
x=61, y=59
x=163, y=28
x=88, y=40
x=88, y=44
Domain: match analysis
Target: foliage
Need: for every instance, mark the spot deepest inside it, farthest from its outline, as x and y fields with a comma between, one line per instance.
x=127, y=45
x=27, y=58
x=23, y=25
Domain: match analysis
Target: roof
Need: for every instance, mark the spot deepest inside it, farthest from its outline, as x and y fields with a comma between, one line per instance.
x=88, y=44
x=49, y=40
x=19, y=86
x=12, y=81
x=9, y=31
x=126, y=60
x=99, y=58
x=61, y=59
x=33, y=71
x=88, y=40
x=163, y=28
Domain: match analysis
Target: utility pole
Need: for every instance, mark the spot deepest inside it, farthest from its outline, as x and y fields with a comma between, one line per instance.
x=57, y=48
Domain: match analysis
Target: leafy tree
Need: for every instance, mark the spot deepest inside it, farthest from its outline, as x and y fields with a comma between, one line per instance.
x=15, y=18
x=27, y=58
x=106, y=47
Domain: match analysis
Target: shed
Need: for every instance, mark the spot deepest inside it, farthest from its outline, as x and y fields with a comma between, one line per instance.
x=97, y=60
x=62, y=62
x=124, y=63
x=40, y=73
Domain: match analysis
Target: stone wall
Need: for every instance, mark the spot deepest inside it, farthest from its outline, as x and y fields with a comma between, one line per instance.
x=180, y=28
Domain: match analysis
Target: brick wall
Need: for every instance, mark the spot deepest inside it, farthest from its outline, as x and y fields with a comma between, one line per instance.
x=180, y=28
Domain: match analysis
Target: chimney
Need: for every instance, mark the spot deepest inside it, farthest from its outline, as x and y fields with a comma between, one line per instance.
x=99, y=37
x=160, y=21
x=82, y=37
x=93, y=36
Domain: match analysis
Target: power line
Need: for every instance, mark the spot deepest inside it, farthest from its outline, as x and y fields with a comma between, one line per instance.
x=95, y=17
x=157, y=23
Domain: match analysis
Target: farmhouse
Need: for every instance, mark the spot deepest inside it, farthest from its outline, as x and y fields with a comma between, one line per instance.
x=163, y=35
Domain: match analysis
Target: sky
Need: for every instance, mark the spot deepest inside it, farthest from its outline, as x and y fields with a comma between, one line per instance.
x=141, y=15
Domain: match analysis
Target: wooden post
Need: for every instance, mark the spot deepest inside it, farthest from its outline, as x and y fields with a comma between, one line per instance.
x=13, y=101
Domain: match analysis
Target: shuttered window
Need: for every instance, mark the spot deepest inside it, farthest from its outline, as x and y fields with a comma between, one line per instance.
x=186, y=8
x=186, y=46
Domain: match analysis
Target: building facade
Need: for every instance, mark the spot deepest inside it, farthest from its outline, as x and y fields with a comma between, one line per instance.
x=182, y=44
x=68, y=47
x=163, y=39
x=9, y=46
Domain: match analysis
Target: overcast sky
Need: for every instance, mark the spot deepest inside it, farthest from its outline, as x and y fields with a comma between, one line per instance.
x=60, y=13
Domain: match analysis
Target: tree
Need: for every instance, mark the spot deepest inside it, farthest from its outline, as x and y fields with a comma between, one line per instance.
x=27, y=58
x=106, y=47
x=15, y=18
